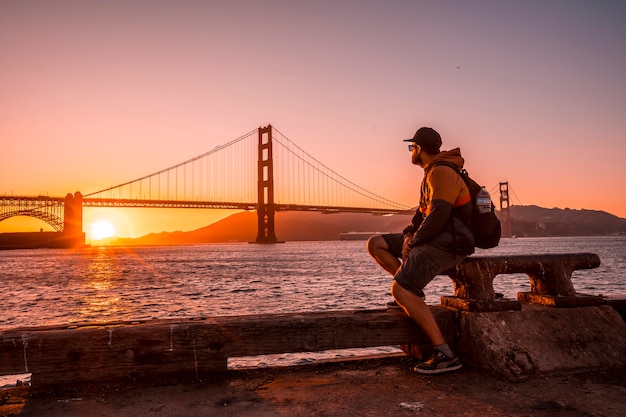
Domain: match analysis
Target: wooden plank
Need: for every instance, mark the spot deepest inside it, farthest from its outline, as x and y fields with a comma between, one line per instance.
x=196, y=349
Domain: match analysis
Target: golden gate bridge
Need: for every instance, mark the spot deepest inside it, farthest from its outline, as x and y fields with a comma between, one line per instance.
x=262, y=170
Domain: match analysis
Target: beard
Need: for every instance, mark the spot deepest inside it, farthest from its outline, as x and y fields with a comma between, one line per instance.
x=416, y=159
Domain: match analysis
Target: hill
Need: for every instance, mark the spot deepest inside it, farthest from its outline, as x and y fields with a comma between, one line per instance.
x=539, y=221
x=527, y=221
x=290, y=226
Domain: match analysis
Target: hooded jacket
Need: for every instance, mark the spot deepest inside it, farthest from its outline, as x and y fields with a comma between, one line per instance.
x=445, y=207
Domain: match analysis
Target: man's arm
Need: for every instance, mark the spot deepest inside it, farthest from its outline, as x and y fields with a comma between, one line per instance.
x=434, y=223
x=441, y=182
x=416, y=222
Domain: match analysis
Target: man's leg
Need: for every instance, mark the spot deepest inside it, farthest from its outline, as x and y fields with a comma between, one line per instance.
x=443, y=359
x=379, y=250
x=422, y=265
x=419, y=312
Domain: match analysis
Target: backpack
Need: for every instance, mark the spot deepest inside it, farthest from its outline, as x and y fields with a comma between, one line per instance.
x=485, y=227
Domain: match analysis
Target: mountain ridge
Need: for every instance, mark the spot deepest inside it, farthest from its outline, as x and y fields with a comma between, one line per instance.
x=527, y=221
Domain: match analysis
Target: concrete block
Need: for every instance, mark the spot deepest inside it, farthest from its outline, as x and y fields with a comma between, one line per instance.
x=539, y=340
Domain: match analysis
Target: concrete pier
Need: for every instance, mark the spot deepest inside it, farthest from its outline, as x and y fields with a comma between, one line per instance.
x=37, y=240
x=543, y=341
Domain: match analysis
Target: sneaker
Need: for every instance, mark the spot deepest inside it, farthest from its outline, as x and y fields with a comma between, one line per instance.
x=438, y=363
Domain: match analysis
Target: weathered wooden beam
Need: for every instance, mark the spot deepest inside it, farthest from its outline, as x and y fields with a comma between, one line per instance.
x=196, y=349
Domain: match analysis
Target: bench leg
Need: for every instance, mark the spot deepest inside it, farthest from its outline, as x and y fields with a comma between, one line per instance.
x=473, y=291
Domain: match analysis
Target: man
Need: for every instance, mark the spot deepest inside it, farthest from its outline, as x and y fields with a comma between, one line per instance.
x=438, y=238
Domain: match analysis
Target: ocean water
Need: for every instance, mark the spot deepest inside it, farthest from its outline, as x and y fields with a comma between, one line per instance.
x=96, y=284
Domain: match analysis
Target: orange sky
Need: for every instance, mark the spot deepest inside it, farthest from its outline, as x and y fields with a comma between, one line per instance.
x=95, y=94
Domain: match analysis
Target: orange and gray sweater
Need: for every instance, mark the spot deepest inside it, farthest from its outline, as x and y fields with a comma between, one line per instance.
x=445, y=208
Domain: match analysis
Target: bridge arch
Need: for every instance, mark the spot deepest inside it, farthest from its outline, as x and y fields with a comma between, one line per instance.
x=63, y=214
x=50, y=210
x=54, y=221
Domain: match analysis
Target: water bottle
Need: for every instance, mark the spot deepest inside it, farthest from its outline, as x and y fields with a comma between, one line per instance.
x=483, y=201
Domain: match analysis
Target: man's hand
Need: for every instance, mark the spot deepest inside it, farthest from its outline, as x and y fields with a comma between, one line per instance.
x=406, y=248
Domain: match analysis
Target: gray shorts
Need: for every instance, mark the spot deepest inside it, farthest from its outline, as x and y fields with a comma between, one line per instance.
x=422, y=265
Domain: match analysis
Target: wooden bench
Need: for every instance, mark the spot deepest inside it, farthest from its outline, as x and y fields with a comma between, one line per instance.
x=550, y=281
x=197, y=349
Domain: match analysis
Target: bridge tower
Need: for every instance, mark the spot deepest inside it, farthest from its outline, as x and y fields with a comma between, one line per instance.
x=266, y=208
x=504, y=209
x=73, y=220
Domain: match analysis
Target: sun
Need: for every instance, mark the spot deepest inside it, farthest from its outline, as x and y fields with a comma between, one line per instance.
x=101, y=229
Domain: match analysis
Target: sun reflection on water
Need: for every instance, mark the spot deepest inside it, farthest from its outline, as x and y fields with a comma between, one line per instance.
x=102, y=295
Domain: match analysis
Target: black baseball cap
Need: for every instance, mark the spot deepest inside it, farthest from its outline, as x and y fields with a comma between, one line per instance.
x=427, y=138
